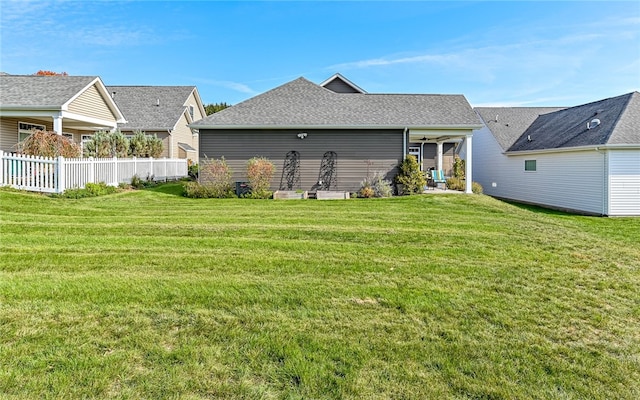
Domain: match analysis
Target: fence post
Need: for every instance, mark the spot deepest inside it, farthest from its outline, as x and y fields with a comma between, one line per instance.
x=151, y=176
x=2, y=178
x=116, y=181
x=60, y=173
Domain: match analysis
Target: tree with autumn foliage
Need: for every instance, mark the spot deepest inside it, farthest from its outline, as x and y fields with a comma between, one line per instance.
x=50, y=73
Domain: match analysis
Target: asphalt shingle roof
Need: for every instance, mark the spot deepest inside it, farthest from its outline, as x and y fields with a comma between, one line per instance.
x=568, y=128
x=508, y=123
x=150, y=107
x=32, y=91
x=539, y=128
x=301, y=103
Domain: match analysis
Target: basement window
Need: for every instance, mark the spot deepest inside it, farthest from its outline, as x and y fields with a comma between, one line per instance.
x=530, y=165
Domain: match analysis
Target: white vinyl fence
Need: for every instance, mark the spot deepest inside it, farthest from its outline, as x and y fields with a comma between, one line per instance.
x=55, y=175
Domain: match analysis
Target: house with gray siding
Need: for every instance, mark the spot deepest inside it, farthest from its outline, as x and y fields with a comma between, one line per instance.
x=72, y=106
x=584, y=159
x=164, y=111
x=337, y=123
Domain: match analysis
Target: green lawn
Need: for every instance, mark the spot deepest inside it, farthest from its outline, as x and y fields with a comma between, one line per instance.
x=147, y=294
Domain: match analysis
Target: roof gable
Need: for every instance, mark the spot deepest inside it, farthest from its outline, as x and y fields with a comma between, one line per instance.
x=589, y=124
x=152, y=107
x=301, y=103
x=37, y=92
x=339, y=84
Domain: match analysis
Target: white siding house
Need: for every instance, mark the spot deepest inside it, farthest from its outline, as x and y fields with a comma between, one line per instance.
x=550, y=157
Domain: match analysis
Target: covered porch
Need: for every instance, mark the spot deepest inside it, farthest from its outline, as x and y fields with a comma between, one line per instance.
x=416, y=139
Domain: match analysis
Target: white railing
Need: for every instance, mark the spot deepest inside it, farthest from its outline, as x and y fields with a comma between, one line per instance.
x=55, y=175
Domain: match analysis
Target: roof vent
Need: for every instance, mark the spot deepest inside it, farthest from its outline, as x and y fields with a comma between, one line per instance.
x=529, y=138
x=594, y=122
x=157, y=102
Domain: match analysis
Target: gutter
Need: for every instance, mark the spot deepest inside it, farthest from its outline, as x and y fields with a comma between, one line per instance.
x=271, y=127
x=571, y=149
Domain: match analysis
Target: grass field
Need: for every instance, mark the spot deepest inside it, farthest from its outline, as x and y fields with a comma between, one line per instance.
x=147, y=294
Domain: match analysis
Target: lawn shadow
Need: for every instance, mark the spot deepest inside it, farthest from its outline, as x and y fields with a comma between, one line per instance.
x=544, y=210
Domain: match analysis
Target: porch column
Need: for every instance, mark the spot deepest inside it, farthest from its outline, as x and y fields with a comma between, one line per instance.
x=467, y=164
x=57, y=124
x=439, y=153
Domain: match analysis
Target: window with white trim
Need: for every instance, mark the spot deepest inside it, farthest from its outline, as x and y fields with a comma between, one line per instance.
x=25, y=129
x=530, y=165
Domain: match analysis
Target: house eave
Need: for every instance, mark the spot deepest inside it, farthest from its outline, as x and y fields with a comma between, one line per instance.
x=574, y=149
x=402, y=127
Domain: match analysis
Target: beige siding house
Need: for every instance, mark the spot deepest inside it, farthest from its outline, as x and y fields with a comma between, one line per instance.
x=164, y=111
x=73, y=106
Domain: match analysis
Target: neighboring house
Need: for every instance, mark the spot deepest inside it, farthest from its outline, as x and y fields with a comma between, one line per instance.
x=164, y=111
x=336, y=130
x=69, y=105
x=584, y=159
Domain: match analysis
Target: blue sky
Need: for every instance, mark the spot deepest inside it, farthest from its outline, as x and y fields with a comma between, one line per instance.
x=496, y=53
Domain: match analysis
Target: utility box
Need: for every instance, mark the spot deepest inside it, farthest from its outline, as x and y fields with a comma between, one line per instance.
x=242, y=188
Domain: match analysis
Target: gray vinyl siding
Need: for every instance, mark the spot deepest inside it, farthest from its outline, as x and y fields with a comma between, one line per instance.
x=339, y=86
x=359, y=152
x=624, y=182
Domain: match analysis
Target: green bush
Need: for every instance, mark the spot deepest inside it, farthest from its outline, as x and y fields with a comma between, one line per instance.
x=410, y=176
x=455, y=183
x=196, y=190
x=460, y=184
x=476, y=188
x=259, y=174
x=105, y=144
x=458, y=167
x=90, y=190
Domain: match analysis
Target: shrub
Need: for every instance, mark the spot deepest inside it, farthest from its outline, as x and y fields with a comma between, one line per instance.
x=375, y=187
x=476, y=188
x=214, y=180
x=48, y=144
x=143, y=145
x=90, y=190
x=460, y=184
x=458, y=167
x=410, y=176
x=455, y=183
x=259, y=174
x=197, y=191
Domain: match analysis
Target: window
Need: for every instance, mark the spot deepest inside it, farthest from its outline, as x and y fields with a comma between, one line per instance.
x=530, y=165
x=26, y=128
x=191, y=111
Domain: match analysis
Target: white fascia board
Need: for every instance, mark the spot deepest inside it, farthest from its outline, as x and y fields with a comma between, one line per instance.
x=196, y=94
x=402, y=127
x=34, y=112
x=573, y=149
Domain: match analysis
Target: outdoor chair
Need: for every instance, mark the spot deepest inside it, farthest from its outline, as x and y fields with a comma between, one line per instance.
x=437, y=177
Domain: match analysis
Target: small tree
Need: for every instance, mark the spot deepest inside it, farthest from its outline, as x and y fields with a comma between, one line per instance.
x=410, y=176
x=458, y=167
x=138, y=144
x=99, y=146
x=48, y=144
x=259, y=173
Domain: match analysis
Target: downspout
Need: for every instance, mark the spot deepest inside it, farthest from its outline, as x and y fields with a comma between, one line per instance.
x=170, y=143
x=422, y=156
x=404, y=143
x=605, y=182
